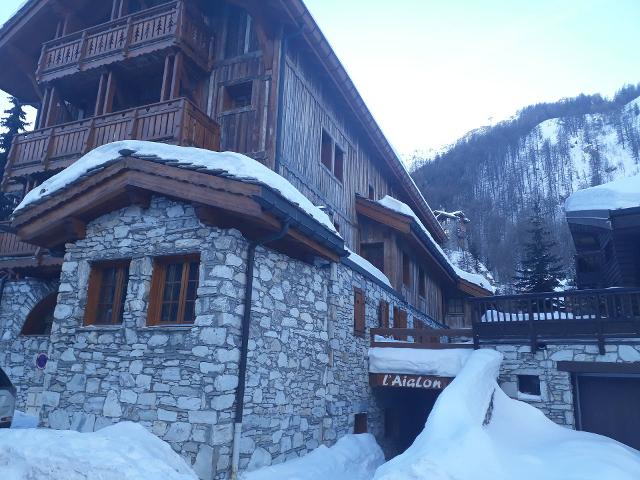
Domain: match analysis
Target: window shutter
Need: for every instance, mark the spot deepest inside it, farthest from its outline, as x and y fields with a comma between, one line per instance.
x=384, y=314
x=358, y=312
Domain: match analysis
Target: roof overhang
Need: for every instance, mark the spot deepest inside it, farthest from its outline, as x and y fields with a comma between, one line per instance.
x=410, y=230
x=252, y=208
x=472, y=289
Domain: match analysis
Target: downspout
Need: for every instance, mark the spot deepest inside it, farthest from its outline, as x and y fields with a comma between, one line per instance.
x=281, y=74
x=244, y=345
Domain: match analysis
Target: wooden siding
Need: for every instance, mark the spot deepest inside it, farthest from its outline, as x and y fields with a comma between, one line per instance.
x=309, y=108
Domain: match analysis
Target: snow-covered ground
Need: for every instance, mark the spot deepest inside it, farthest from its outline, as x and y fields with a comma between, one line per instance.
x=126, y=451
x=353, y=457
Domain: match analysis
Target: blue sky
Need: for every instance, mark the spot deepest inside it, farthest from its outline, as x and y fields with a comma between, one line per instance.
x=431, y=70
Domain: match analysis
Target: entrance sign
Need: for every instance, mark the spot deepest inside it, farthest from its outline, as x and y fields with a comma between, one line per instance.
x=396, y=380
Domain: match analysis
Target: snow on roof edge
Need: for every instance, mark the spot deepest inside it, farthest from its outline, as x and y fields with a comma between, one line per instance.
x=234, y=165
x=400, y=207
x=618, y=194
x=368, y=267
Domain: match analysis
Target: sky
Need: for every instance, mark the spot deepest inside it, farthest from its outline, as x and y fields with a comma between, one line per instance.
x=432, y=70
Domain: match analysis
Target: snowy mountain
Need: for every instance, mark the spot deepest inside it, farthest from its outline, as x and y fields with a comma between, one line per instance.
x=547, y=151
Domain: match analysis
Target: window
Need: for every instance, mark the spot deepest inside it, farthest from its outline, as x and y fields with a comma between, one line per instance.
x=237, y=96
x=406, y=270
x=529, y=384
x=374, y=253
x=360, y=423
x=422, y=283
x=107, y=291
x=40, y=319
x=372, y=193
x=326, y=153
x=174, y=286
x=399, y=318
x=332, y=156
x=338, y=163
x=358, y=312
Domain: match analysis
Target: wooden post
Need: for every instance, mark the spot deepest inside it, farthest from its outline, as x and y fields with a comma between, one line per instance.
x=166, y=78
x=127, y=37
x=100, y=96
x=51, y=108
x=176, y=77
x=532, y=329
x=109, y=94
x=115, y=9
x=42, y=112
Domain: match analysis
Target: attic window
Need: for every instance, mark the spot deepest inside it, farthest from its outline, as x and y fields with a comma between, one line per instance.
x=326, y=155
x=332, y=156
x=237, y=96
x=338, y=163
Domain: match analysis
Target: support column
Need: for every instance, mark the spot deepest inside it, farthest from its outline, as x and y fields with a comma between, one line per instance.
x=177, y=76
x=166, y=78
x=100, y=97
x=110, y=93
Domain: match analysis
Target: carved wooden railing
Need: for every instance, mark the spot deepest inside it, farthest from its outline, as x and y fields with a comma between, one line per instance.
x=579, y=315
x=135, y=34
x=177, y=122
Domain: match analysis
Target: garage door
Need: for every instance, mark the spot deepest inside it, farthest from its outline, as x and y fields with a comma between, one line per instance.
x=608, y=405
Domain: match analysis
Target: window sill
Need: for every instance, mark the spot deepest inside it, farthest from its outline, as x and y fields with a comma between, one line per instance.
x=110, y=328
x=235, y=111
x=170, y=328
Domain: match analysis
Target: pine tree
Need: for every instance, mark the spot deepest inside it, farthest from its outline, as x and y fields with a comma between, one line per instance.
x=14, y=122
x=540, y=270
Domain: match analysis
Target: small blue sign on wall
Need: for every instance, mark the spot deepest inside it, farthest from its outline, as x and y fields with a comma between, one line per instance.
x=41, y=360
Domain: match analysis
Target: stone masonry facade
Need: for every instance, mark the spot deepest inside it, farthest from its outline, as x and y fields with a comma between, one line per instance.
x=556, y=390
x=307, y=372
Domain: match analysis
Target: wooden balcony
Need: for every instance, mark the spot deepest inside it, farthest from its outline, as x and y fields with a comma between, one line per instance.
x=17, y=256
x=177, y=122
x=10, y=246
x=152, y=30
x=583, y=316
x=578, y=316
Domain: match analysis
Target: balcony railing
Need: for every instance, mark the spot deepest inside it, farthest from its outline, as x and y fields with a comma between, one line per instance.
x=177, y=122
x=591, y=316
x=10, y=246
x=136, y=34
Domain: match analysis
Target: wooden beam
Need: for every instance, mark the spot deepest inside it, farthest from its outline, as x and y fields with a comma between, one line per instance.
x=166, y=77
x=110, y=93
x=599, y=367
x=176, y=76
x=100, y=96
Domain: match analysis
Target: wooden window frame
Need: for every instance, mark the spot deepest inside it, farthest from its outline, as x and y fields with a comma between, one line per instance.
x=328, y=156
x=119, y=296
x=359, y=313
x=383, y=314
x=158, y=284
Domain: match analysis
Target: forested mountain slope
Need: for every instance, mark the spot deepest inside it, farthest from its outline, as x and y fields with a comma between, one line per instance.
x=546, y=152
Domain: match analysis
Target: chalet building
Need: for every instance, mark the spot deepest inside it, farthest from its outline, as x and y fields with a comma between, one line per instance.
x=606, y=234
x=205, y=294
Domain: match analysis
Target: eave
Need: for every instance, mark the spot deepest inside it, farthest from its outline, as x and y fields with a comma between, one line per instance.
x=252, y=208
x=472, y=289
x=409, y=229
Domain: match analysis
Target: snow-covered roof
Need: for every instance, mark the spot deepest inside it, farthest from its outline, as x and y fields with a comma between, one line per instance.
x=226, y=164
x=621, y=193
x=368, y=267
x=414, y=361
x=397, y=206
x=457, y=215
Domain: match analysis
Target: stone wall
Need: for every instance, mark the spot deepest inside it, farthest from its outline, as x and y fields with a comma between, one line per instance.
x=307, y=371
x=18, y=353
x=556, y=398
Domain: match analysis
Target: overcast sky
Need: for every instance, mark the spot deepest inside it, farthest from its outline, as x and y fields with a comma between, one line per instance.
x=431, y=70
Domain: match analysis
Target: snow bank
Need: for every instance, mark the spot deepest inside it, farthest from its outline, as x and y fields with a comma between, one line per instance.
x=410, y=361
x=369, y=267
x=228, y=164
x=476, y=432
x=22, y=420
x=621, y=193
x=400, y=207
x=353, y=457
x=126, y=451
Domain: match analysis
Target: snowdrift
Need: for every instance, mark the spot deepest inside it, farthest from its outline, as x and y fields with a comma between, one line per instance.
x=125, y=451
x=353, y=457
x=476, y=432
